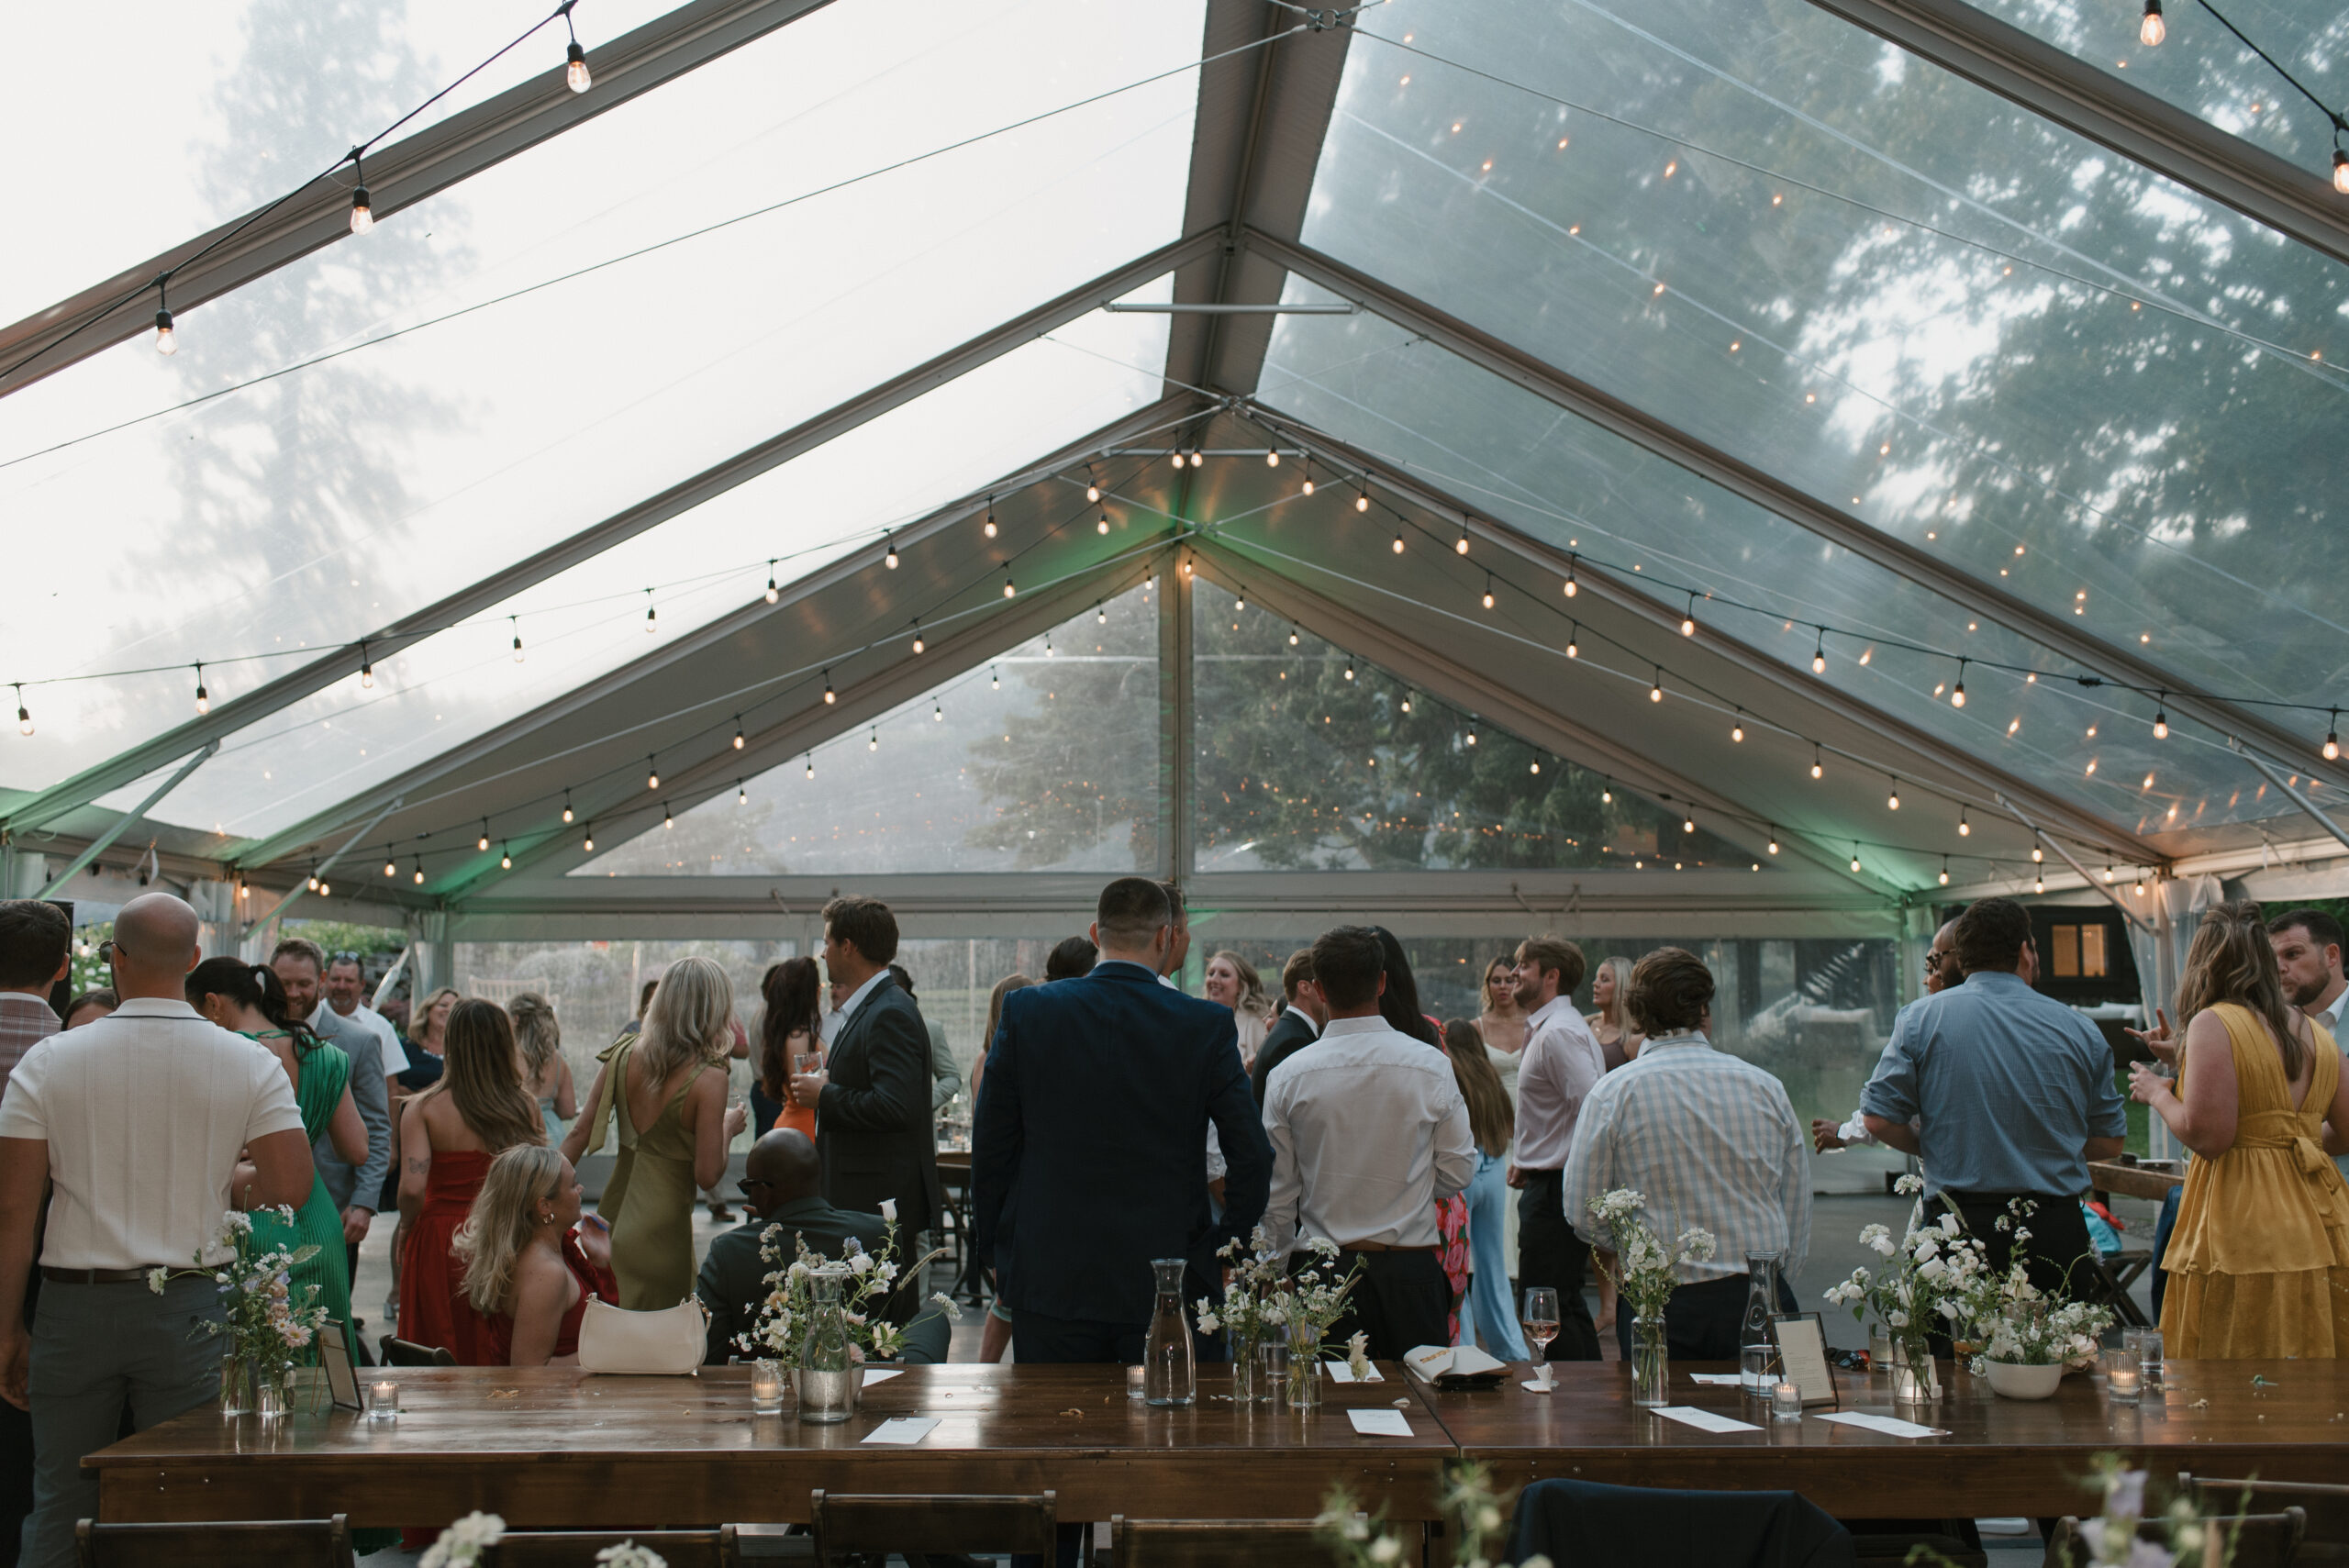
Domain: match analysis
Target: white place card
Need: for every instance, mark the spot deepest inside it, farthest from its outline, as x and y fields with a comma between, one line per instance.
x=1703, y=1420
x=1723, y=1379
x=873, y=1375
x=1890, y=1425
x=1380, y=1423
x=1340, y=1373
x=902, y=1430
x=1535, y=1386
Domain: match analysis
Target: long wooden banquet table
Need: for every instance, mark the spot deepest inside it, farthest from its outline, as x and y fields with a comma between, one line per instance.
x=557, y=1447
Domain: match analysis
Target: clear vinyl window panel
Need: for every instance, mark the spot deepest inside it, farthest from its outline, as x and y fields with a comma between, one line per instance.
x=1044, y=758
x=1907, y=297
x=565, y=335
x=1309, y=758
x=1581, y=489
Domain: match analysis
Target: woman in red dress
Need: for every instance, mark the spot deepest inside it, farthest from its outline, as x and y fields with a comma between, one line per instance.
x=530, y=1269
x=449, y=1134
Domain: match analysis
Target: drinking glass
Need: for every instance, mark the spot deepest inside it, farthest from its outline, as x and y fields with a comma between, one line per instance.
x=1539, y=1317
x=2147, y=1343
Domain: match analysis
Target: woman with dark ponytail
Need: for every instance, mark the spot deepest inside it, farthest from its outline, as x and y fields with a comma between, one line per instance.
x=247, y=998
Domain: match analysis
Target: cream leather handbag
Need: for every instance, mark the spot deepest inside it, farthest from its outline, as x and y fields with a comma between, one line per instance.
x=668, y=1342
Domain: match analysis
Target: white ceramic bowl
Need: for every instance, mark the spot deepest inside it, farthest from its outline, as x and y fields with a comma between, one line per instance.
x=2011, y=1380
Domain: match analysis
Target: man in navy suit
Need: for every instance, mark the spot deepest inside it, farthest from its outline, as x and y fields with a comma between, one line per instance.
x=1089, y=1156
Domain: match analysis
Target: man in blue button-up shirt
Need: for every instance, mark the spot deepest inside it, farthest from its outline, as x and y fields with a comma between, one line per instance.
x=2013, y=1093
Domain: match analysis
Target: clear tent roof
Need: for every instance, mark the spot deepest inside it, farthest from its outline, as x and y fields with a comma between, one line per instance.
x=2061, y=374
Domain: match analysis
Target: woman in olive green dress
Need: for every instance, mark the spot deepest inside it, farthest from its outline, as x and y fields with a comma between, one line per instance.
x=664, y=1088
x=247, y=998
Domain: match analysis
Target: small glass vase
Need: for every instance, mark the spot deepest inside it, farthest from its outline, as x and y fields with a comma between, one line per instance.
x=1247, y=1378
x=1304, y=1372
x=1650, y=1365
x=235, y=1387
x=272, y=1390
x=1915, y=1380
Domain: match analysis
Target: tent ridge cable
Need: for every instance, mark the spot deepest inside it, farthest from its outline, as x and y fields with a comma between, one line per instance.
x=2047, y=838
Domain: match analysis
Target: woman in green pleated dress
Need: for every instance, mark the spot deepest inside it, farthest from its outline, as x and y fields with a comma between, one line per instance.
x=247, y=998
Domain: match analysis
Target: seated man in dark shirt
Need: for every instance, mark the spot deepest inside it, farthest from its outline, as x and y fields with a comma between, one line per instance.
x=780, y=1179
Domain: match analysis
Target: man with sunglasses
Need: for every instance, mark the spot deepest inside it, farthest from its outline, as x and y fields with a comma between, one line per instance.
x=782, y=1184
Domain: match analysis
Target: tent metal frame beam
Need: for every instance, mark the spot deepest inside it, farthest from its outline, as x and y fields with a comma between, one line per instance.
x=138, y=813
x=1750, y=484
x=1360, y=634
x=1620, y=593
x=292, y=839
x=407, y=171
x=227, y=717
x=2094, y=104
x=2291, y=791
x=630, y=814
x=2042, y=836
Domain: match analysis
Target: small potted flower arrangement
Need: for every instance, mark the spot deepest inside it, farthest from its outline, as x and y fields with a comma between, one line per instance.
x=2027, y=1339
x=1930, y=1282
x=1646, y=1274
x=272, y=1324
x=824, y=1320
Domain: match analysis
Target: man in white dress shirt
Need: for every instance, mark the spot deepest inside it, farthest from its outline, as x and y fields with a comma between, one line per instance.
x=1369, y=1133
x=2307, y=952
x=137, y=1121
x=1561, y=1063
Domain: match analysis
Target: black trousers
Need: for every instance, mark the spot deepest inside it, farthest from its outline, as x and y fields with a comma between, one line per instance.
x=1402, y=1302
x=2055, y=1257
x=1549, y=1252
x=1704, y=1321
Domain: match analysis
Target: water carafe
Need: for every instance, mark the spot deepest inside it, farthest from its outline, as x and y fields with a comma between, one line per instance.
x=1168, y=1376
x=1757, y=1350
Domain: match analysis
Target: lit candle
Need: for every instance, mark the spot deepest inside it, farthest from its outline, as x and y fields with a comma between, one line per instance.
x=2124, y=1380
x=383, y=1400
x=766, y=1387
x=1133, y=1383
x=1786, y=1403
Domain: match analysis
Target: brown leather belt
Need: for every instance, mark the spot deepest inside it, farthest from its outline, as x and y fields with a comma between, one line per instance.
x=1380, y=1247
x=98, y=1276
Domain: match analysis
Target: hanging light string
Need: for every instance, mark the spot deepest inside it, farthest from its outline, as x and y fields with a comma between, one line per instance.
x=593, y=267
x=161, y=280
x=876, y=533
x=2122, y=289
x=776, y=689
x=2030, y=675
x=2151, y=34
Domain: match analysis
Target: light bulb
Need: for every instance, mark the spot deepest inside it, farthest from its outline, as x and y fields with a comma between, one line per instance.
x=1573, y=587
x=1489, y=594
x=1819, y=656
x=811, y=765
x=990, y=524
x=2333, y=738
x=1350, y=676
x=202, y=697
x=937, y=711
x=2140, y=884
x=1816, y=771
x=1198, y=459
x=830, y=696
x=505, y=858
x=1605, y=797
x=1471, y=736
x=890, y=559
x=362, y=217
x=1957, y=695
x=419, y=871
x=483, y=842
x=366, y=671
x=517, y=645
x=1398, y=541
x=1406, y=702
x=1007, y=589
x=2038, y=884
x=1945, y=872
x=1103, y=526
x=2341, y=171
x=1271, y=457
x=2036, y=857
x=2107, y=875
x=1092, y=491
x=575, y=76
x=652, y=776
x=391, y=867
x=313, y=882
x=742, y=792
x=1737, y=731
x=1688, y=623
x=667, y=821
x=773, y=593
x=995, y=681
x=1292, y=637
x=1100, y=614
x=1774, y=841
x=1892, y=801
x=1460, y=545
x=590, y=843
x=164, y=342
x=1537, y=766
x=740, y=739
x=2152, y=30
x=324, y=891
x=1687, y=825
x=1237, y=604
x=651, y=618
x=566, y=806
x=1362, y=501
x=1856, y=860
x=2161, y=725
x=875, y=743
x=1178, y=459
x=1573, y=649
x=1309, y=484
x=920, y=645
x=1655, y=691
x=1964, y=828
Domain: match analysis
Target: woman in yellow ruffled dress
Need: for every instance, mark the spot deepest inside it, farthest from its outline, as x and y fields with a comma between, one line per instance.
x=2259, y=1261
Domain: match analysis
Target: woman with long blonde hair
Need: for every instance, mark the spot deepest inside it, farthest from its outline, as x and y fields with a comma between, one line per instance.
x=1233, y=980
x=664, y=1089
x=546, y=1077
x=527, y=1270
x=449, y=1134
x=2259, y=1261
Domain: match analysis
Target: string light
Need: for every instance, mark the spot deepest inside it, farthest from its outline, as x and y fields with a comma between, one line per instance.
x=165, y=343
x=652, y=615
x=811, y=765
x=919, y=646
x=937, y=711
x=419, y=869
x=994, y=681
x=1655, y=691
x=1688, y=620
x=1946, y=871
x=831, y=696
x=990, y=522
x=1240, y=604
x=2036, y=857
x=1271, y=457
x=1199, y=459
x=2151, y=29
x=1407, y=700
x=2333, y=736
x=1816, y=771
x=651, y=774
x=1460, y=546
x=1489, y=590
x=889, y=545
x=742, y=792
x=1573, y=640
x=566, y=806
x=1361, y=498
x=1537, y=764
x=1607, y=792
x=1855, y=858
x=1092, y=485
x=1892, y=801
x=2140, y=884
x=773, y=593
x=363, y=217
x=1818, y=655
x=1471, y=733
x=741, y=740
x=2161, y=717
x=1308, y=475
x=590, y=844
x=1008, y=590
x=873, y=742
x=1773, y=838
x=1688, y=824
x=1957, y=692
x=1100, y=615
x=505, y=856
x=575, y=74
x=2038, y=884
x=1737, y=727
x=202, y=697
x=1292, y=637
x=1103, y=526
x=1573, y=587
x=2108, y=873
x=1350, y=676
x=2341, y=170
x=1398, y=541
x=390, y=866
x=1964, y=828
x=483, y=843
x=667, y=821
x=366, y=666
x=24, y=717
x=313, y=883
x=1048, y=645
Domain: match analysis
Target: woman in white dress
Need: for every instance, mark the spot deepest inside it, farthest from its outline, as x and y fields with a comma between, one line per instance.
x=1232, y=981
x=1501, y=1026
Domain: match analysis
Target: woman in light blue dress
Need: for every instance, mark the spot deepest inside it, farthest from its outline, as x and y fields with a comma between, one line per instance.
x=538, y=1038
x=1489, y=1319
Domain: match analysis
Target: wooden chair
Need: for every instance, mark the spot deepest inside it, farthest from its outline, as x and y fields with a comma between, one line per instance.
x=2327, y=1538
x=282, y=1543
x=406, y=1353
x=2261, y=1540
x=572, y=1548
x=935, y=1523
x=1211, y=1543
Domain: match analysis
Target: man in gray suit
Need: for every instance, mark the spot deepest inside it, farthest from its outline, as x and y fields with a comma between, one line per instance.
x=300, y=964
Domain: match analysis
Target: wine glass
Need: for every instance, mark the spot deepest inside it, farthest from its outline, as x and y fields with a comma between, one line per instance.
x=1539, y=1317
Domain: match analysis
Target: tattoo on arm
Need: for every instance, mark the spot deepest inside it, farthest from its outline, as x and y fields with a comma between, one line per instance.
x=419, y=1167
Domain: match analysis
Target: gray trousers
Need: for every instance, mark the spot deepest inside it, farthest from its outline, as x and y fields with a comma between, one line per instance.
x=96, y=1348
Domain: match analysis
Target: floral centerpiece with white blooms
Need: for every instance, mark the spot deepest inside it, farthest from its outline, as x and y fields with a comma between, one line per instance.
x=1646, y=1273
x=869, y=1279
x=1266, y=1298
x=461, y=1544
x=1253, y=1309
x=272, y=1324
x=2017, y=1325
x=1930, y=1283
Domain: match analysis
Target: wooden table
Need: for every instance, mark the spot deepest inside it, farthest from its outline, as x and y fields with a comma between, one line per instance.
x=2132, y=1180
x=557, y=1447
x=2002, y=1456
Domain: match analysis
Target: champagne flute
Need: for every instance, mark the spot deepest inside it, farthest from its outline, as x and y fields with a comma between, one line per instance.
x=1538, y=1315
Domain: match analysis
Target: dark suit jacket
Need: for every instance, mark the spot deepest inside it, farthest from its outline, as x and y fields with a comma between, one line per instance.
x=873, y=1128
x=1291, y=1033
x=1093, y=1126
x=733, y=1275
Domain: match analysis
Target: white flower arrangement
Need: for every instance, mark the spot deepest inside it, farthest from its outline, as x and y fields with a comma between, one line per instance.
x=1932, y=1277
x=461, y=1545
x=1264, y=1297
x=1646, y=1273
x=627, y=1555
x=2015, y=1322
x=265, y=1318
x=869, y=1279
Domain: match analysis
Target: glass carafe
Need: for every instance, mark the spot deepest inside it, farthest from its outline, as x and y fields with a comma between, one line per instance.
x=1168, y=1376
x=1757, y=1349
x=828, y=1372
